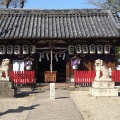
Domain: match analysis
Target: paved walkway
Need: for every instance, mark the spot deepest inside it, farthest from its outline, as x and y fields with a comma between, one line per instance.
x=61, y=108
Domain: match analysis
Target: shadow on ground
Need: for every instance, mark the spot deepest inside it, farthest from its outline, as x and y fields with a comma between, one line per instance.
x=61, y=97
x=19, y=109
x=24, y=93
x=118, y=93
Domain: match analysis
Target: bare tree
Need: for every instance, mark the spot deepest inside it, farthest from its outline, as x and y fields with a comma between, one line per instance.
x=106, y=4
x=12, y=3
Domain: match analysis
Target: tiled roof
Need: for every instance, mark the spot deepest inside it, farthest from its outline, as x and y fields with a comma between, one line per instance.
x=58, y=24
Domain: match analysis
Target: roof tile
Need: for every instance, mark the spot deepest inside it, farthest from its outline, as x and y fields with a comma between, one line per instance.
x=57, y=24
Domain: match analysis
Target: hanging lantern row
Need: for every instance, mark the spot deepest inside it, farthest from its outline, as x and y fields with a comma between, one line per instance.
x=85, y=49
x=41, y=55
x=10, y=49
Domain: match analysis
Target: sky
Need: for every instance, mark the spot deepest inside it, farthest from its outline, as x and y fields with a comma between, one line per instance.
x=58, y=4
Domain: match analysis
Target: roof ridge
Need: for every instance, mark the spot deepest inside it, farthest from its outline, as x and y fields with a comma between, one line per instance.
x=52, y=11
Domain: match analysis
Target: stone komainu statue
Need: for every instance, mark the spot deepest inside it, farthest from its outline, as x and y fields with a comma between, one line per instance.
x=4, y=68
x=100, y=68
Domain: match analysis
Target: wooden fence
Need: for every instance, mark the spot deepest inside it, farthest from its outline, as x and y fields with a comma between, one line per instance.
x=85, y=78
x=22, y=78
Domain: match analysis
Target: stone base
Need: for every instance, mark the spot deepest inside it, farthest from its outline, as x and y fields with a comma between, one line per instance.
x=6, y=89
x=103, y=88
x=103, y=92
x=103, y=84
x=6, y=85
x=8, y=92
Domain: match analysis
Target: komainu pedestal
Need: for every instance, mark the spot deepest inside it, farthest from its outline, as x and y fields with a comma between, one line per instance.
x=103, y=88
x=6, y=89
x=104, y=85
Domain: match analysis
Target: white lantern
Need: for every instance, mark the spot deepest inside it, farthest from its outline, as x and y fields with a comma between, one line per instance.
x=99, y=49
x=71, y=49
x=25, y=49
x=85, y=49
x=17, y=49
x=2, y=49
x=10, y=49
x=78, y=48
x=107, y=49
x=92, y=49
x=32, y=49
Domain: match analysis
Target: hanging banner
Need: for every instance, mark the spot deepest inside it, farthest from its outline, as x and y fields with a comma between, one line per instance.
x=85, y=49
x=10, y=49
x=74, y=63
x=107, y=49
x=99, y=49
x=2, y=49
x=92, y=49
x=32, y=49
x=25, y=49
x=17, y=49
x=71, y=49
x=78, y=48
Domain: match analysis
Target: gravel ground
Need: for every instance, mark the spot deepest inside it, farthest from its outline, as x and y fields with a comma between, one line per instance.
x=16, y=108
x=100, y=108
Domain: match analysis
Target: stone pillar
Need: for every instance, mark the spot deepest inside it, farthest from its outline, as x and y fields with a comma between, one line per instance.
x=6, y=89
x=52, y=90
x=103, y=88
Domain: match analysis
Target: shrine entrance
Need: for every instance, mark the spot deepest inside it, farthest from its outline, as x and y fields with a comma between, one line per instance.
x=44, y=65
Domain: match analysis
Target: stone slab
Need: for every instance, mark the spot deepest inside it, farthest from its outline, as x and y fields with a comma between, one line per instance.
x=8, y=92
x=6, y=85
x=103, y=84
x=103, y=92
